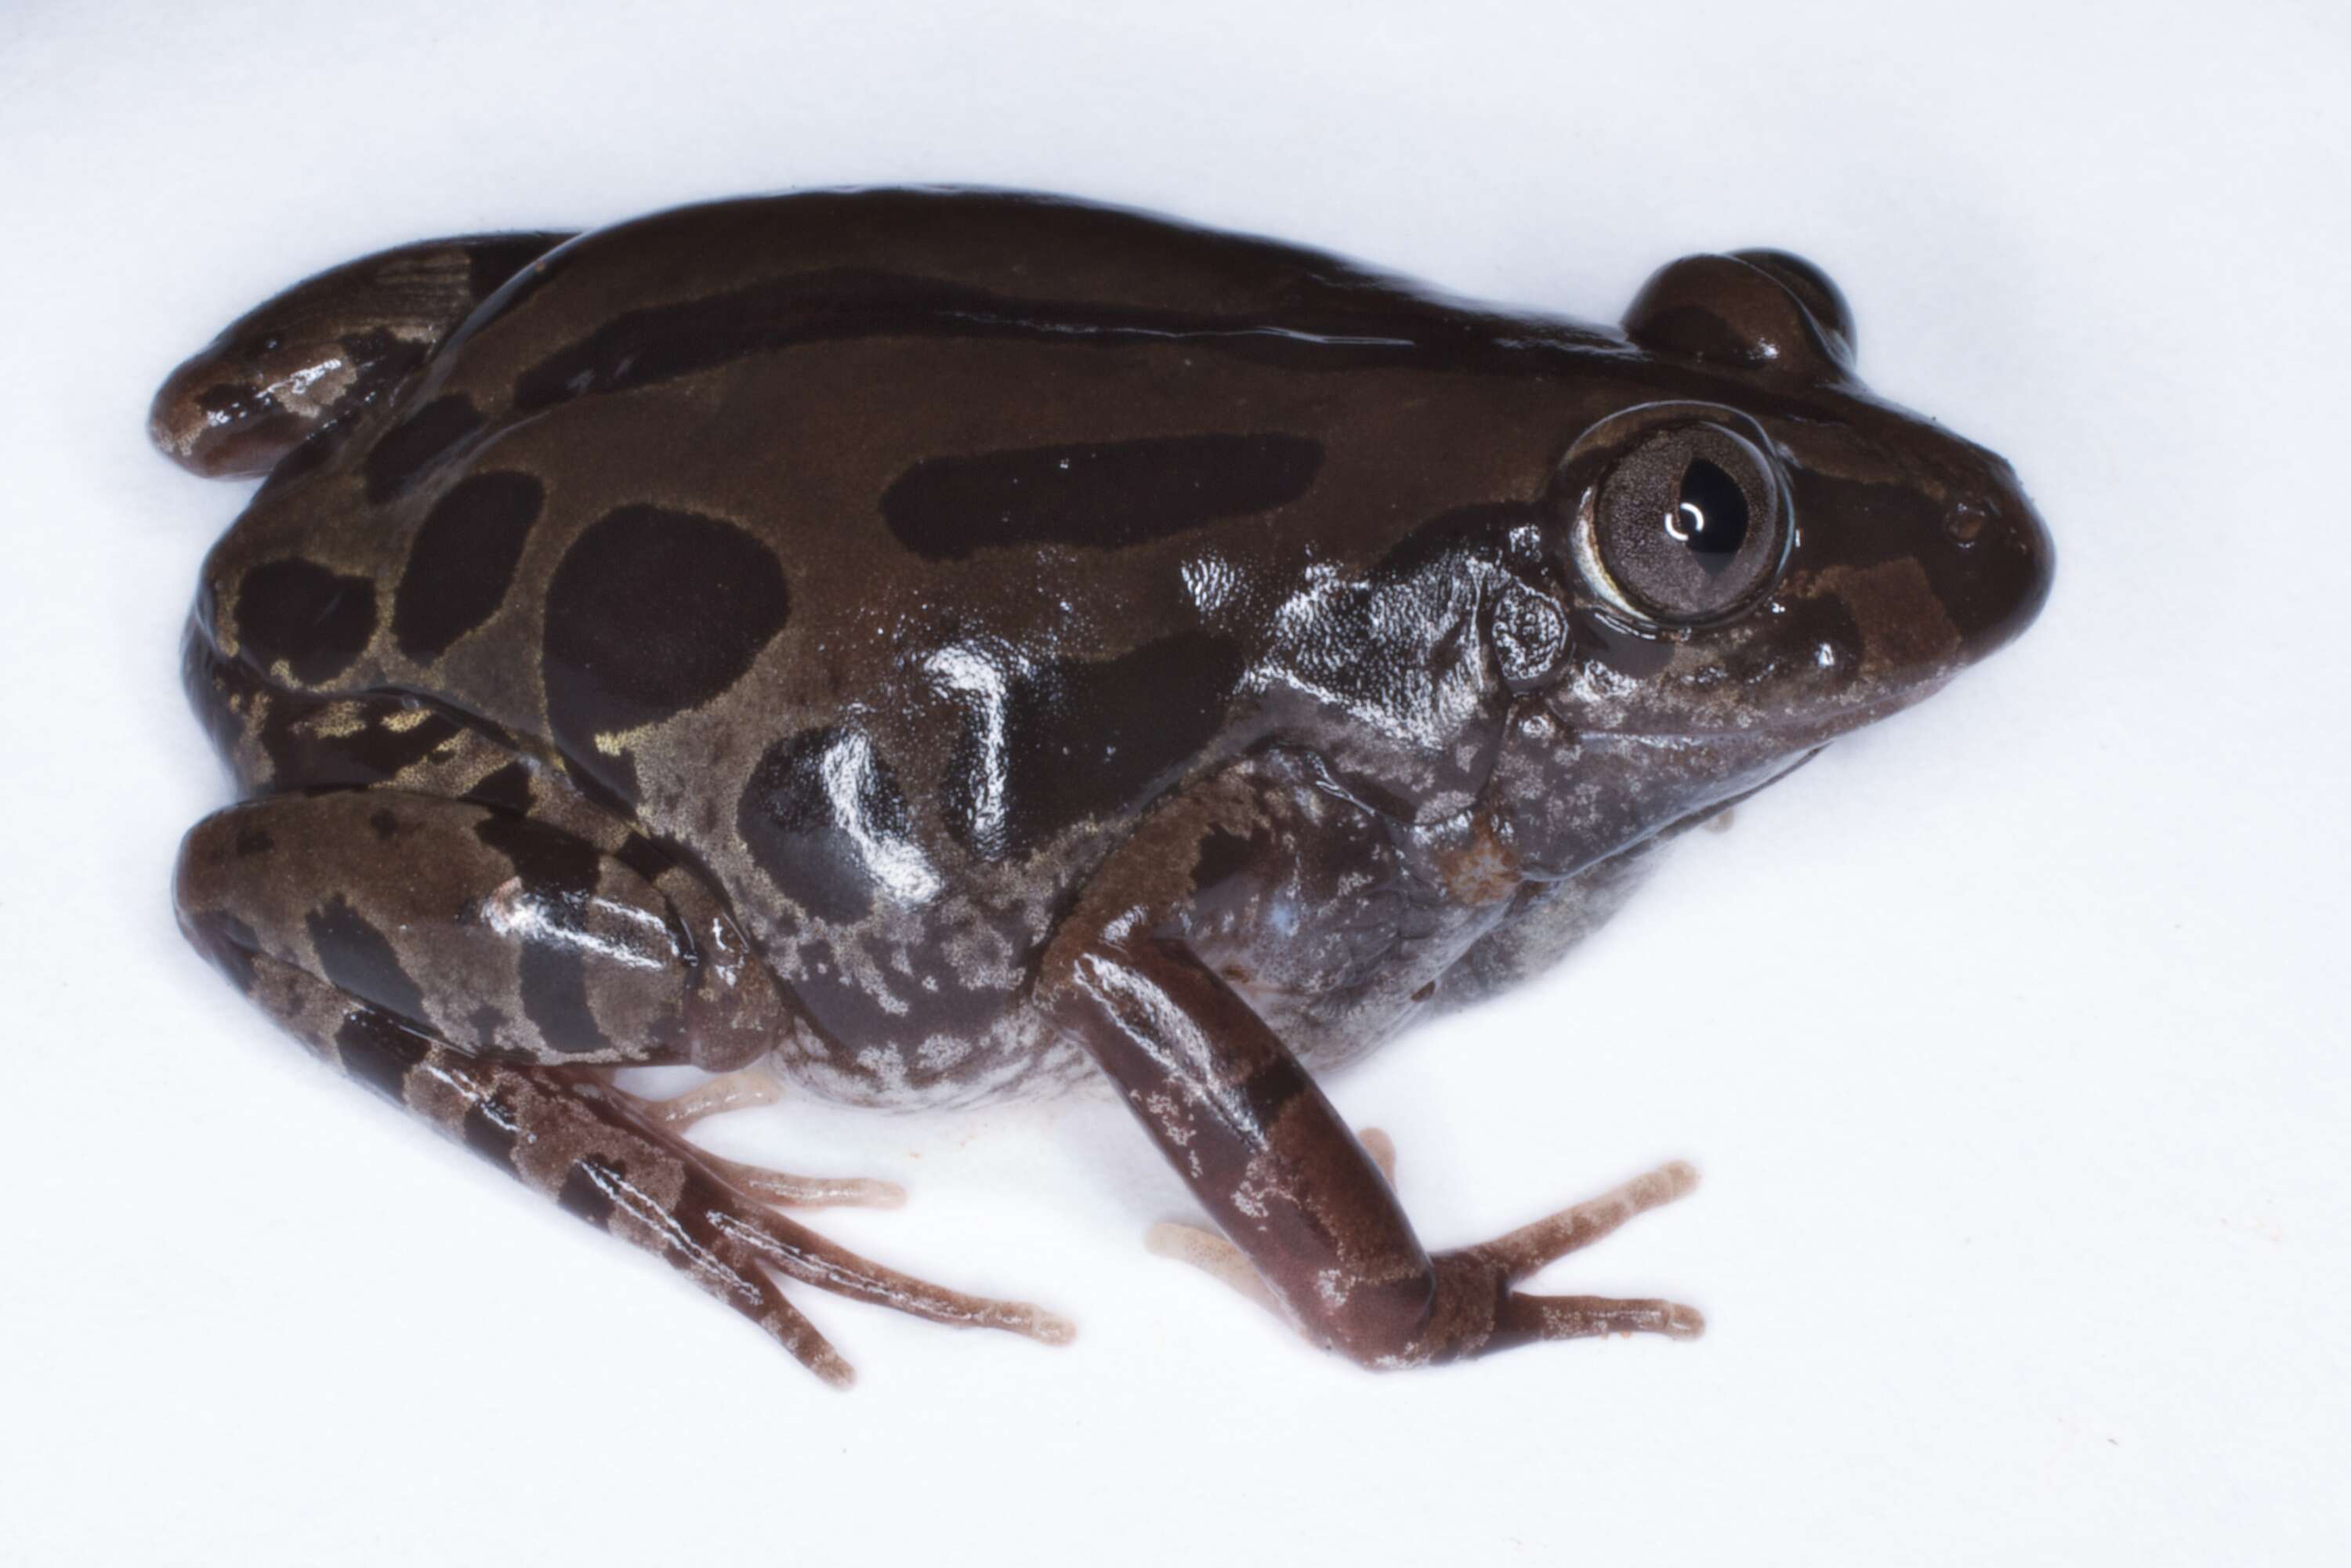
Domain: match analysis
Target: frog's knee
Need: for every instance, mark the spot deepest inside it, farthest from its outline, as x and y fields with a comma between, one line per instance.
x=324, y=347
x=248, y=398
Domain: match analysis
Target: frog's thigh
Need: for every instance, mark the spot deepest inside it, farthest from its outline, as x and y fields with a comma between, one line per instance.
x=494, y=932
x=360, y=920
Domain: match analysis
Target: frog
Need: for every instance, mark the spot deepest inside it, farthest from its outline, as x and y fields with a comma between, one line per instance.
x=925, y=647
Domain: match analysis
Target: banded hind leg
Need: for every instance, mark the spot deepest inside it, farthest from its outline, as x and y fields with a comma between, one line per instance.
x=324, y=347
x=479, y=969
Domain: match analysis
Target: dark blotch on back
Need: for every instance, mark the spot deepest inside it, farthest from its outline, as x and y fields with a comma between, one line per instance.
x=1108, y=494
x=409, y=447
x=1091, y=739
x=651, y=612
x=463, y=562
x=359, y=959
x=315, y=620
x=804, y=835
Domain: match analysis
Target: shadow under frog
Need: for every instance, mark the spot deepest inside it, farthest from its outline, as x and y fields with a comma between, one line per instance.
x=937, y=645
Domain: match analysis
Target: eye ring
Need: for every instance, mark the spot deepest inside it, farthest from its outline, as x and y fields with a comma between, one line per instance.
x=1681, y=513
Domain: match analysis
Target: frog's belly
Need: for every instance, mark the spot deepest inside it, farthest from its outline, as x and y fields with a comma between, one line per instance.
x=1325, y=1019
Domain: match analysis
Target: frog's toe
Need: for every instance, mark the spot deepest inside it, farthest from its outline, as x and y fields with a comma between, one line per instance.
x=767, y=1237
x=742, y=1089
x=811, y=1192
x=737, y=1091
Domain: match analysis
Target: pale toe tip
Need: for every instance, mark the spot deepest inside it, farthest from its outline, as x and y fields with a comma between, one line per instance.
x=1033, y=1321
x=881, y=1194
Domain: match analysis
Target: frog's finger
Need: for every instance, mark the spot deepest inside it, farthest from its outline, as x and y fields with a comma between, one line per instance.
x=1212, y=1255
x=1529, y=1248
x=1525, y=1319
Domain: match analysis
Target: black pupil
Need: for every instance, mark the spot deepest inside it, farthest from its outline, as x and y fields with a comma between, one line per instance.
x=1711, y=516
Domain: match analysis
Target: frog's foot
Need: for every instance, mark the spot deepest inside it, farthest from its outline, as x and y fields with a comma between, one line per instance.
x=589, y=1145
x=584, y=1144
x=742, y=1089
x=747, y=1235
x=1503, y=1261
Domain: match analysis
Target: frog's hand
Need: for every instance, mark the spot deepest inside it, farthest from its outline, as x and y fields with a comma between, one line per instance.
x=1508, y=1259
x=548, y=956
x=325, y=347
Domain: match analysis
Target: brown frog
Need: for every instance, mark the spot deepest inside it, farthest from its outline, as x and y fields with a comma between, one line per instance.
x=938, y=646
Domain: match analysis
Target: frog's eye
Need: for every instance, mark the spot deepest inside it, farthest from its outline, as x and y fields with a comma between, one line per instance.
x=1686, y=522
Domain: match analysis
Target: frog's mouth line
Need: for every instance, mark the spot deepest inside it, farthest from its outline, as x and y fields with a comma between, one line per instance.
x=1803, y=733
x=1704, y=814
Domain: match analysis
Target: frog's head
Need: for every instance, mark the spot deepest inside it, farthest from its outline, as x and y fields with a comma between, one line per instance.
x=1765, y=559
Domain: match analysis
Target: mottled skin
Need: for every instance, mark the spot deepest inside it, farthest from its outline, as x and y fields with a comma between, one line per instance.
x=953, y=644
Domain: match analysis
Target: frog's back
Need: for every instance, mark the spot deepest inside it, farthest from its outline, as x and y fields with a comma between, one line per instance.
x=888, y=552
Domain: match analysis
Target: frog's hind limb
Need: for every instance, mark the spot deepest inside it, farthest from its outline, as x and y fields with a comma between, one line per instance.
x=292, y=898
x=324, y=347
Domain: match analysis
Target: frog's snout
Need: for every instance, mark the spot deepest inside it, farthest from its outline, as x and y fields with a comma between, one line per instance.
x=2005, y=560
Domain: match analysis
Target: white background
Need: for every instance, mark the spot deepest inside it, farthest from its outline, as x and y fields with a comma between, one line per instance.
x=2009, y=1036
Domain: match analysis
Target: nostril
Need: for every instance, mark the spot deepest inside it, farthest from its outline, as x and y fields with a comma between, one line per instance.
x=1967, y=521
